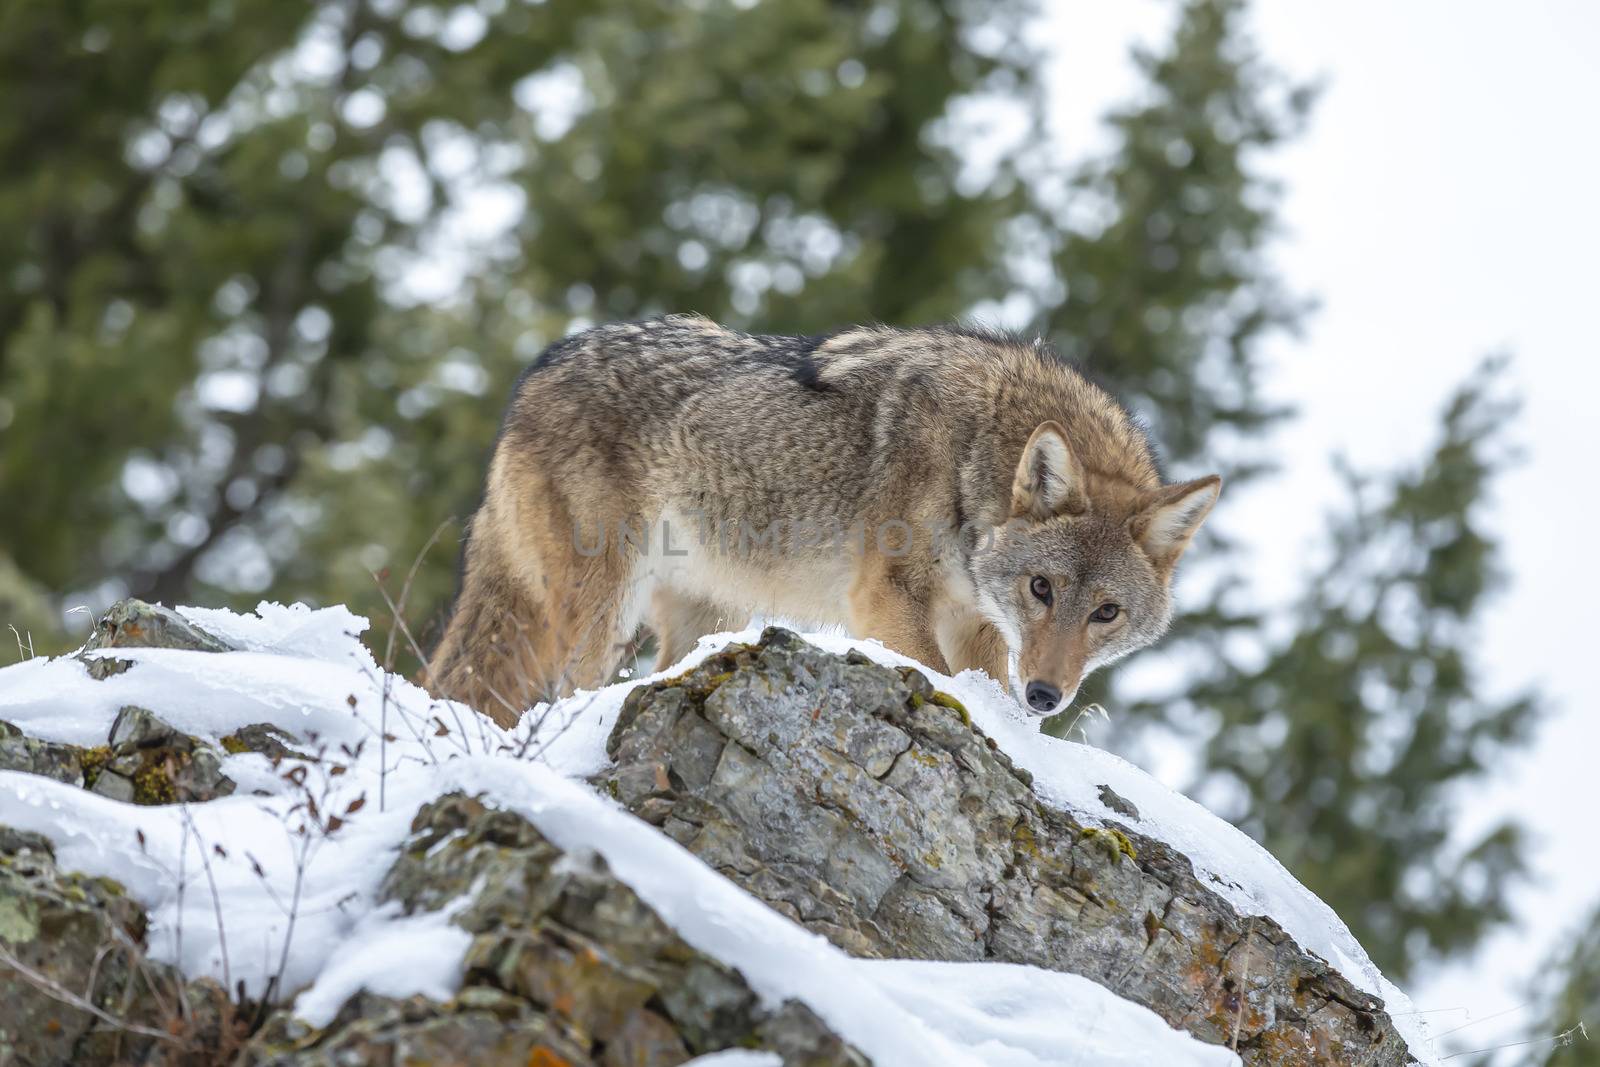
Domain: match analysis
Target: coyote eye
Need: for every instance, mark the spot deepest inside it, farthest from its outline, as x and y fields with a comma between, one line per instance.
x=1105, y=613
x=1040, y=587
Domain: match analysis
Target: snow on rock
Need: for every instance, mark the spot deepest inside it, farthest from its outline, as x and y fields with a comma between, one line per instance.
x=306, y=672
x=737, y=1057
x=1006, y=1012
x=392, y=955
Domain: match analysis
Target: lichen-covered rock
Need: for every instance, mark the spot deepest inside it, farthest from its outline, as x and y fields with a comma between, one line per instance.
x=19, y=752
x=480, y=1026
x=851, y=797
x=132, y=623
x=68, y=939
x=265, y=739
x=566, y=963
x=148, y=761
x=55, y=925
x=864, y=805
x=145, y=761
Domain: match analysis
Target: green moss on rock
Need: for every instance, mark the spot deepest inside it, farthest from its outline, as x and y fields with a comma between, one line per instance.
x=1114, y=839
x=153, y=784
x=93, y=761
x=945, y=700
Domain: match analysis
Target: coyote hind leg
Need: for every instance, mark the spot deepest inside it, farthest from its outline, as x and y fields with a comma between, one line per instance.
x=510, y=645
x=493, y=650
x=536, y=618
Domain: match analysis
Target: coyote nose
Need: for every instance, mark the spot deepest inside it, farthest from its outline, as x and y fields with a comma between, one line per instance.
x=1042, y=696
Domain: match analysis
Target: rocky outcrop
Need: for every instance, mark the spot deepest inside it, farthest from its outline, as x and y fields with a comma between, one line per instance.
x=864, y=805
x=567, y=966
x=566, y=963
x=19, y=752
x=851, y=797
x=133, y=623
x=144, y=761
x=75, y=983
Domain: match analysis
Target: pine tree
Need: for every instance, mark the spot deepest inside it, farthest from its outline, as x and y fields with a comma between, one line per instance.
x=1167, y=291
x=1565, y=1032
x=1162, y=285
x=1342, y=747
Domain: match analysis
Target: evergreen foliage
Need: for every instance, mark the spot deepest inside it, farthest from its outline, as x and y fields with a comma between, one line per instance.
x=1566, y=1030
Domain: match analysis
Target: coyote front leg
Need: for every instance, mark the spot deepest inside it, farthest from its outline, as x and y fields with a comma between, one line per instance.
x=977, y=645
x=884, y=609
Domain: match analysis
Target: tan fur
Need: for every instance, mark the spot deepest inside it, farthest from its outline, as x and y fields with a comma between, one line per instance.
x=679, y=431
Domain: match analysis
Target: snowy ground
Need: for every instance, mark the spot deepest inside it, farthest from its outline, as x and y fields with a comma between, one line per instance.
x=307, y=672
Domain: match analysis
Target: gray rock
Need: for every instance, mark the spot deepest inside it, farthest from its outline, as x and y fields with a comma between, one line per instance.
x=19, y=752
x=563, y=954
x=1117, y=803
x=66, y=939
x=853, y=798
x=14, y=842
x=148, y=761
x=133, y=623
x=487, y=1028
x=115, y=786
x=266, y=739
x=102, y=667
x=803, y=1040
x=136, y=727
x=861, y=803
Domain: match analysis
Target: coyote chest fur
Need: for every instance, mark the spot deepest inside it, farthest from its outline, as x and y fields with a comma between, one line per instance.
x=968, y=499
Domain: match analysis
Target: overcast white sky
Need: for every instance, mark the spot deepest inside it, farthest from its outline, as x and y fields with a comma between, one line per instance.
x=1442, y=205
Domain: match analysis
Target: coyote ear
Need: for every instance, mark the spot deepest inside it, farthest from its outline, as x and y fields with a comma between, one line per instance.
x=1170, y=518
x=1049, y=479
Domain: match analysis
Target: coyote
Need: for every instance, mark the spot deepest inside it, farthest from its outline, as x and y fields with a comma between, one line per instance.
x=967, y=498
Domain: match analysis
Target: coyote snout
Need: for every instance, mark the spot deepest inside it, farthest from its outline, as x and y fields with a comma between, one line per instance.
x=1064, y=545
x=1050, y=665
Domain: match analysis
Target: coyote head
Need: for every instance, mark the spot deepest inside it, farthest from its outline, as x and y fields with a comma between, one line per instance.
x=1080, y=575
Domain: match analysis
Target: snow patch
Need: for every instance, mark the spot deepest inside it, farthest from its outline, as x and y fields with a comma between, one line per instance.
x=392, y=955
x=1013, y=1014
x=737, y=1057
